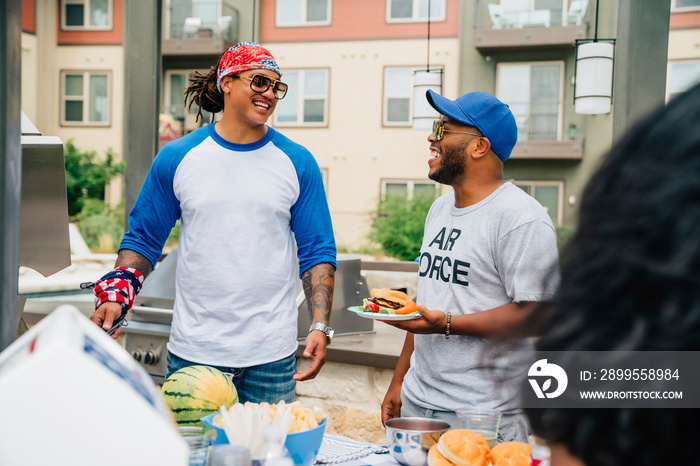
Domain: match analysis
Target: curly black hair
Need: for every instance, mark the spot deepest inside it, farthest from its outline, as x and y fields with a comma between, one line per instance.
x=630, y=280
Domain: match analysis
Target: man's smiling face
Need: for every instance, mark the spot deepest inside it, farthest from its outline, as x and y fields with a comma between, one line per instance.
x=449, y=155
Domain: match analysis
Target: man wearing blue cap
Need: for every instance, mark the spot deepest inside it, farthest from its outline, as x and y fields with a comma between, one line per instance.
x=488, y=255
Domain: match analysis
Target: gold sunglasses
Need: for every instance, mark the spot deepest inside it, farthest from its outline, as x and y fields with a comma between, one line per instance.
x=260, y=83
x=439, y=130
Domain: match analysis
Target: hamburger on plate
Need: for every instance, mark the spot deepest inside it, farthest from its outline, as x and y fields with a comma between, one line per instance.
x=386, y=301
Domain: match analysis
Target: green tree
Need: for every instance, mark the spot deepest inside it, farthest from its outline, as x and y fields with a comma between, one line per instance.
x=564, y=234
x=86, y=179
x=98, y=222
x=87, y=175
x=398, y=224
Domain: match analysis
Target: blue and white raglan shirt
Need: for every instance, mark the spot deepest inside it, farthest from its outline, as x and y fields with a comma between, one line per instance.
x=242, y=206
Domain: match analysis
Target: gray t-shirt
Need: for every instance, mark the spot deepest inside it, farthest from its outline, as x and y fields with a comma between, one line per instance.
x=498, y=251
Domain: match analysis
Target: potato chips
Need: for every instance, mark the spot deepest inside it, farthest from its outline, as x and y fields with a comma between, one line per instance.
x=244, y=424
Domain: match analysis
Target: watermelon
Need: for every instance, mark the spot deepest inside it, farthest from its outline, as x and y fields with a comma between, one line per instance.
x=196, y=391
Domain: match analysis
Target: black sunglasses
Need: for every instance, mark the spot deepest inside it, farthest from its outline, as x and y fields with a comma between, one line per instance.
x=261, y=83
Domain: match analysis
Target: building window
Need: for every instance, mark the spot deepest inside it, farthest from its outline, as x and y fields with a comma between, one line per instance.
x=86, y=15
x=303, y=13
x=534, y=93
x=409, y=189
x=398, y=95
x=685, y=5
x=85, y=97
x=306, y=102
x=548, y=193
x=402, y=11
x=681, y=77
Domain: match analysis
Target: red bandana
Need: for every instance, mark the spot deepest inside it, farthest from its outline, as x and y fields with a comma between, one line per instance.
x=245, y=56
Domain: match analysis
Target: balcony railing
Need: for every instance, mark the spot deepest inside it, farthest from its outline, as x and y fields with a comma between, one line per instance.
x=201, y=19
x=516, y=23
x=520, y=14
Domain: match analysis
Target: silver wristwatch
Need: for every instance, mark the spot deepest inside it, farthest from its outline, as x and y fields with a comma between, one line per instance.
x=324, y=328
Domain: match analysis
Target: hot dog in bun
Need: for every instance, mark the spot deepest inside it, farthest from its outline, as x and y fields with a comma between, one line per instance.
x=391, y=301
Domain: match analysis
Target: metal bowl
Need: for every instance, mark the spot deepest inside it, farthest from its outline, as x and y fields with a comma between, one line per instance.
x=410, y=438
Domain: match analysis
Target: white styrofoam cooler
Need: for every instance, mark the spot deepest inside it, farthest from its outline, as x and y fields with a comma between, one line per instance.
x=69, y=395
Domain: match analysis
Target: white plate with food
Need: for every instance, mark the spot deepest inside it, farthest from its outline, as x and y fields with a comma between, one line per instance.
x=382, y=316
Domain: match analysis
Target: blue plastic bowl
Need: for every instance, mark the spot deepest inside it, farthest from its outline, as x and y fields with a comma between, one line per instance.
x=220, y=433
x=303, y=446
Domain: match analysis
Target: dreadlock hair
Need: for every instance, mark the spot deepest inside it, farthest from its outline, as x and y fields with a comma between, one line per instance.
x=204, y=92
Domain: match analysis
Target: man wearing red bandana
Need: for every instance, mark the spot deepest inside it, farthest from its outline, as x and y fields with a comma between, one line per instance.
x=249, y=200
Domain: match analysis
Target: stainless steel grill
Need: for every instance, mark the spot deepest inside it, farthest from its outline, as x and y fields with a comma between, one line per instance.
x=43, y=223
x=148, y=329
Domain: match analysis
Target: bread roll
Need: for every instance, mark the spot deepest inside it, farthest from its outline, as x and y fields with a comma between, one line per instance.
x=436, y=459
x=464, y=447
x=511, y=454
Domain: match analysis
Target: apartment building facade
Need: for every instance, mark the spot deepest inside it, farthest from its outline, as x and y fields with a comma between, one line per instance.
x=72, y=72
x=350, y=65
x=523, y=52
x=683, y=46
x=519, y=50
x=353, y=65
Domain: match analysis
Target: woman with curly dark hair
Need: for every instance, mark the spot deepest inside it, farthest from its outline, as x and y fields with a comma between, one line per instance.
x=630, y=281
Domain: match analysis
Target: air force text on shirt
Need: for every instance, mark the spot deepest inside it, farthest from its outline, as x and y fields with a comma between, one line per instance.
x=439, y=266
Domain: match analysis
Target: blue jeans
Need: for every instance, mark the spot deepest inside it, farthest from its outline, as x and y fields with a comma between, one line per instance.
x=271, y=382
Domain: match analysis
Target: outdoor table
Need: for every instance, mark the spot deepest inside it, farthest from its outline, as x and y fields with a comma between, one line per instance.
x=338, y=449
x=375, y=459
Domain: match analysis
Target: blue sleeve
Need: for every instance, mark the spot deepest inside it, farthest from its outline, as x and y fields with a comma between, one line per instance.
x=311, y=218
x=156, y=208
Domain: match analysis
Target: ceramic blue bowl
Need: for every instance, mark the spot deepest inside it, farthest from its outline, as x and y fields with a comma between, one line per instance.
x=303, y=446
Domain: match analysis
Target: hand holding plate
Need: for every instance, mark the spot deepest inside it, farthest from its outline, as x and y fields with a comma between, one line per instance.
x=430, y=321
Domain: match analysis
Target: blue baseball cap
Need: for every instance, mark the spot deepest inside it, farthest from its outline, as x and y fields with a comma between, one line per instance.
x=486, y=113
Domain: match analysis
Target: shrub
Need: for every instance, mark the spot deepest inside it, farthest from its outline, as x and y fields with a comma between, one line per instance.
x=398, y=224
x=564, y=234
x=87, y=176
x=173, y=238
x=101, y=226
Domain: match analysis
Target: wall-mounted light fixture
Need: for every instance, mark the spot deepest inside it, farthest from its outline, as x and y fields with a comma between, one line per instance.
x=423, y=112
x=593, y=82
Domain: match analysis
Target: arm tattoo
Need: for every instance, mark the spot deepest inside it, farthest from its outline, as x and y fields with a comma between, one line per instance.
x=129, y=258
x=318, y=284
